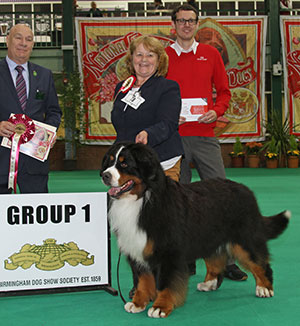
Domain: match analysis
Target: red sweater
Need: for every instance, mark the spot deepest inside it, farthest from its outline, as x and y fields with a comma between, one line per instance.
x=196, y=75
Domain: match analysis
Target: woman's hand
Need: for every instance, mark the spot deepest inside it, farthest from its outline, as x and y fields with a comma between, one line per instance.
x=142, y=137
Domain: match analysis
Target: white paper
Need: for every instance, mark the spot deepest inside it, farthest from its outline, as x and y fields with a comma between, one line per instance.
x=193, y=108
x=39, y=146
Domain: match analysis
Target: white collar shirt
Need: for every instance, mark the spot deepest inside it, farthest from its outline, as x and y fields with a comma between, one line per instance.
x=178, y=49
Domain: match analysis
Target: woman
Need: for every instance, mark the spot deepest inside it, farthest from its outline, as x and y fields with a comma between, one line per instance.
x=147, y=106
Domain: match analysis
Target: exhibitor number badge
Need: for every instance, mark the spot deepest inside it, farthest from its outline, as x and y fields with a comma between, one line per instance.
x=133, y=99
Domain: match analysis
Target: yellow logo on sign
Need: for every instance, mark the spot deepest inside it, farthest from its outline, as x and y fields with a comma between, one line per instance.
x=49, y=256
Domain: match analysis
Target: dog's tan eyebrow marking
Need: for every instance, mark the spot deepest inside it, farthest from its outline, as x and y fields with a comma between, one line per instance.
x=121, y=159
x=111, y=157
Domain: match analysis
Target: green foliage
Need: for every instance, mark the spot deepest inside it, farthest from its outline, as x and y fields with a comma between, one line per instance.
x=293, y=143
x=272, y=150
x=238, y=149
x=73, y=105
x=293, y=150
x=272, y=146
x=278, y=132
x=72, y=96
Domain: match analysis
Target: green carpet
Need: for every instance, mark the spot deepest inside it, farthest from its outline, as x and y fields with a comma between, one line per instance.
x=234, y=304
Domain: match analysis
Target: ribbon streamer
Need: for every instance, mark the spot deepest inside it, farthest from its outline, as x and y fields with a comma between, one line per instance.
x=24, y=131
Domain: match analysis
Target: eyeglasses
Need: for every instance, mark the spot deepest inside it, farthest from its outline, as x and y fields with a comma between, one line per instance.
x=182, y=21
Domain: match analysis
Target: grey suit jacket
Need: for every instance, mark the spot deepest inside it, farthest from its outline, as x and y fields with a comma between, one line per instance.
x=42, y=105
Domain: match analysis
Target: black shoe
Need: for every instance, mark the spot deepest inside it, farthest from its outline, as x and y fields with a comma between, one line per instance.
x=132, y=292
x=234, y=273
x=192, y=268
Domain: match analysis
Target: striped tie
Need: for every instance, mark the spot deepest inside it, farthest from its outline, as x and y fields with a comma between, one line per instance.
x=21, y=87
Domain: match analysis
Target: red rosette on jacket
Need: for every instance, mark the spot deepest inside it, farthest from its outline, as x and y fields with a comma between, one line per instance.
x=127, y=85
x=24, y=131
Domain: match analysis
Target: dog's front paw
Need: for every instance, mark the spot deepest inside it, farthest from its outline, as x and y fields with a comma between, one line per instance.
x=156, y=313
x=262, y=292
x=208, y=286
x=131, y=307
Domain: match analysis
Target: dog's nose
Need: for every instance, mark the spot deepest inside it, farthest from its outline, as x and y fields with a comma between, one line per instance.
x=106, y=177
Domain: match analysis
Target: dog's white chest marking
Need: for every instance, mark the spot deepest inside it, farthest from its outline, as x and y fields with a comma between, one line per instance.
x=123, y=216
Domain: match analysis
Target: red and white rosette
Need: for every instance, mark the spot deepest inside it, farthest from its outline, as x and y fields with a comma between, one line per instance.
x=24, y=131
x=127, y=85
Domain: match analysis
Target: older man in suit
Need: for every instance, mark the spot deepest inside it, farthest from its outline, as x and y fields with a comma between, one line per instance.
x=39, y=102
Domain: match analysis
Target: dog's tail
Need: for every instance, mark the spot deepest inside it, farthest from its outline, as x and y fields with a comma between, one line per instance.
x=276, y=224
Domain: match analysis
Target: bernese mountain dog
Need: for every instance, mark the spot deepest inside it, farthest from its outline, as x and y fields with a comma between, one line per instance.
x=161, y=225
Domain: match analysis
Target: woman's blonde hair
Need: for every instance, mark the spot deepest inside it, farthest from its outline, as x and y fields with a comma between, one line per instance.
x=152, y=44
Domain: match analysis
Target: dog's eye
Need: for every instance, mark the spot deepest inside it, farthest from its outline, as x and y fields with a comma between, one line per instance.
x=124, y=165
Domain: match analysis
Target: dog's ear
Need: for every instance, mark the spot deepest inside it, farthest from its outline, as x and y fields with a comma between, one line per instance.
x=147, y=161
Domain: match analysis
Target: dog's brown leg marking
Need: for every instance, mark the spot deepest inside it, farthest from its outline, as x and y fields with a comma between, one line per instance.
x=166, y=301
x=169, y=298
x=179, y=288
x=256, y=269
x=214, y=267
x=146, y=290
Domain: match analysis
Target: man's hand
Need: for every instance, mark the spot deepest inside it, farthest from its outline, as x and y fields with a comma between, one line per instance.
x=6, y=129
x=208, y=117
x=142, y=137
x=181, y=120
x=53, y=141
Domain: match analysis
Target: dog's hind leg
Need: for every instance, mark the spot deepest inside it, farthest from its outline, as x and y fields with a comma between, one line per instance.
x=146, y=291
x=214, y=273
x=259, y=266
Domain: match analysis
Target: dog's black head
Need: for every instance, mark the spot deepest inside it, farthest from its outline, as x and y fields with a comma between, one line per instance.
x=129, y=169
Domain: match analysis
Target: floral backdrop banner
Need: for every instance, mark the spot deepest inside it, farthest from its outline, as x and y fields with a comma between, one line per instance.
x=103, y=42
x=290, y=37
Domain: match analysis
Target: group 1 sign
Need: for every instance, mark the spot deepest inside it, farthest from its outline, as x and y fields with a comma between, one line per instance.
x=54, y=241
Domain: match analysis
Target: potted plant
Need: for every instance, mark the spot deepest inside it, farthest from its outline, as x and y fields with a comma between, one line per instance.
x=293, y=153
x=278, y=133
x=271, y=154
x=73, y=107
x=238, y=154
x=252, y=149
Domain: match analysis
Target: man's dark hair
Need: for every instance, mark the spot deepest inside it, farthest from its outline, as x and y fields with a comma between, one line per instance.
x=184, y=7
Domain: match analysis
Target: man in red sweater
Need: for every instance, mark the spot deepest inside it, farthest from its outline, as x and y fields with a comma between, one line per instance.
x=198, y=68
